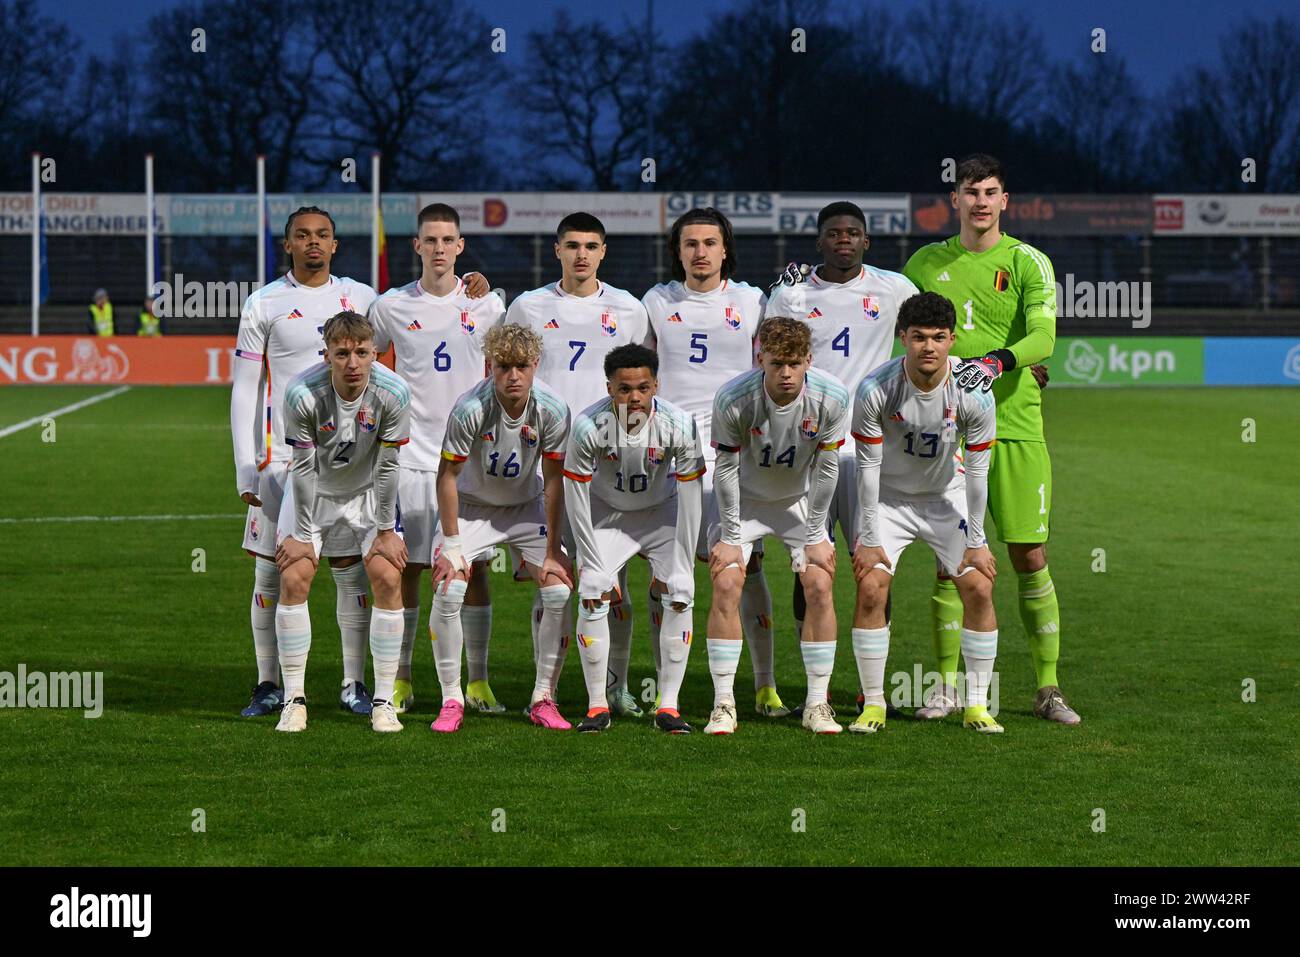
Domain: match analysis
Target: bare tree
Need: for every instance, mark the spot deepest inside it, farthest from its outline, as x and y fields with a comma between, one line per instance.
x=960, y=65
x=584, y=99
x=36, y=111
x=1096, y=109
x=412, y=85
x=254, y=89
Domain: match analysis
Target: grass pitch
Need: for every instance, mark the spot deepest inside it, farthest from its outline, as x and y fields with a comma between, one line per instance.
x=1198, y=529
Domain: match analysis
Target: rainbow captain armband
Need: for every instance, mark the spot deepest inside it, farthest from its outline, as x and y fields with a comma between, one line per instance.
x=453, y=457
x=691, y=476
x=393, y=445
x=830, y=446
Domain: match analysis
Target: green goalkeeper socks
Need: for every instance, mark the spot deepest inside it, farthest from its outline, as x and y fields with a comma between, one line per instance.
x=946, y=610
x=1042, y=619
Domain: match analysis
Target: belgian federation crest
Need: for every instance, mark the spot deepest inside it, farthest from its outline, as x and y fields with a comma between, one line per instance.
x=253, y=531
x=654, y=456
x=732, y=317
x=346, y=303
x=528, y=434
x=870, y=308
x=608, y=324
x=808, y=428
x=466, y=322
x=366, y=418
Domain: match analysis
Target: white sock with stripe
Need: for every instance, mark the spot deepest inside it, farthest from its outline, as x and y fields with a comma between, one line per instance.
x=352, y=610
x=724, y=656
x=266, y=595
x=387, y=631
x=448, y=638
x=979, y=649
x=476, y=621
x=818, y=663
x=871, y=649
x=293, y=640
x=674, y=643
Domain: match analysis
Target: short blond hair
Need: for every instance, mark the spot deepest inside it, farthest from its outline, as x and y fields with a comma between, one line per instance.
x=347, y=326
x=782, y=337
x=512, y=345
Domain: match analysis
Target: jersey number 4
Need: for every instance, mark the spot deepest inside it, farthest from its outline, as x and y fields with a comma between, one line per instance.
x=841, y=343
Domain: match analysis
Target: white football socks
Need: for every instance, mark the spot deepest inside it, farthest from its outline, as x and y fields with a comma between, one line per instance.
x=656, y=617
x=724, y=656
x=293, y=638
x=818, y=663
x=387, y=626
x=410, y=623
x=871, y=649
x=266, y=595
x=674, y=644
x=593, y=646
x=620, y=636
x=551, y=645
x=979, y=649
x=476, y=622
x=352, y=609
x=448, y=638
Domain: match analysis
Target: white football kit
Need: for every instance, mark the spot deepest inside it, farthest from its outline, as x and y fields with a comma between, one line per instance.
x=438, y=344
x=908, y=484
x=577, y=333
x=704, y=340
x=854, y=327
x=500, y=486
x=343, y=480
x=631, y=493
x=775, y=481
x=280, y=330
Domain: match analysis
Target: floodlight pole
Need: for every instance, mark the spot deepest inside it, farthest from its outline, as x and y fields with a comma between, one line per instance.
x=149, y=232
x=261, y=217
x=374, y=221
x=36, y=244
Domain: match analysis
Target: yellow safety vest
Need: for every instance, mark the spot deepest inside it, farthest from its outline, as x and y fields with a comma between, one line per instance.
x=148, y=325
x=103, y=318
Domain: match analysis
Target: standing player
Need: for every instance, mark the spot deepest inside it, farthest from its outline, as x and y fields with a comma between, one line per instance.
x=345, y=421
x=436, y=326
x=581, y=320
x=777, y=431
x=1004, y=292
x=489, y=494
x=852, y=310
x=704, y=323
x=908, y=416
x=632, y=470
x=280, y=335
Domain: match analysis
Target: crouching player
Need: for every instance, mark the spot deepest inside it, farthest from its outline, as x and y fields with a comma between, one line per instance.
x=624, y=500
x=345, y=420
x=489, y=494
x=777, y=430
x=908, y=416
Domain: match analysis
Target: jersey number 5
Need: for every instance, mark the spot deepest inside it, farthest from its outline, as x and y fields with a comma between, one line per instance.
x=700, y=343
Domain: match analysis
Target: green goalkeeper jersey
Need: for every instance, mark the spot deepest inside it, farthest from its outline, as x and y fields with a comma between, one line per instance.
x=1005, y=298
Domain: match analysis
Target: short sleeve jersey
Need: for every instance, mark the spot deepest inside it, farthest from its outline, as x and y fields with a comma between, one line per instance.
x=503, y=456
x=777, y=444
x=346, y=435
x=577, y=333
x=639, y=470
x=704, y=339
x=438, y=342
x=919, y=431
x=281, y=327
x=854, y=324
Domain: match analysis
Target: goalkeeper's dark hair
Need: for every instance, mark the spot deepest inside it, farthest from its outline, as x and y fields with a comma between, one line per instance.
x=842, y=208
x=708, y=216
x=631, y=356
x=580, y=223
x=978, y=167
x=927, y=310
x=302, y=210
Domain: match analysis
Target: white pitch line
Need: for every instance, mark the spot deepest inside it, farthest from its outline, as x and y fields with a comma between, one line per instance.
x=37, y=420
x=44, y=519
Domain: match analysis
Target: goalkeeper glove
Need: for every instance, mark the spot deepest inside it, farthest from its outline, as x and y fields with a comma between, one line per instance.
x=972, y=374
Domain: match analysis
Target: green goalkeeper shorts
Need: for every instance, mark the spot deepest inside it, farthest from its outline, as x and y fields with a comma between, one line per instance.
x=1020, y=490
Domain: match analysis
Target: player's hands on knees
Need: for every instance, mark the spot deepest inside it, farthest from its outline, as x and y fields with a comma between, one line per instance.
x=443, y=572
x=1039, y=372
x=722, y=555
x=389, y=545
x=291, y=550
x=476, y=285
x=822, y=554
x=980, y=559
x=557, y=568
x=249, y=498
x=867, y=557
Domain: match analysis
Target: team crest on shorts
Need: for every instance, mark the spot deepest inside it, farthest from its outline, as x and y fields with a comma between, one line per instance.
x=253, y=532
x=466, y=322
x=732, y=317
x=608, y=324
x=528, y=434
x=808, y=428
x=654, y=456
x=871, y=308
x=366, y=418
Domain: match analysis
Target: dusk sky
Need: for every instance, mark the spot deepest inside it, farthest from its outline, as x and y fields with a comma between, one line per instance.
x=1156, y=38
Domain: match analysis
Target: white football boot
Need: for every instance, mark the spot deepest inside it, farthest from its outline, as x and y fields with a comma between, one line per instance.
x=293, y=717
x=819, y=718
x=722, y=720
x=383, y=717
x=939, y=703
